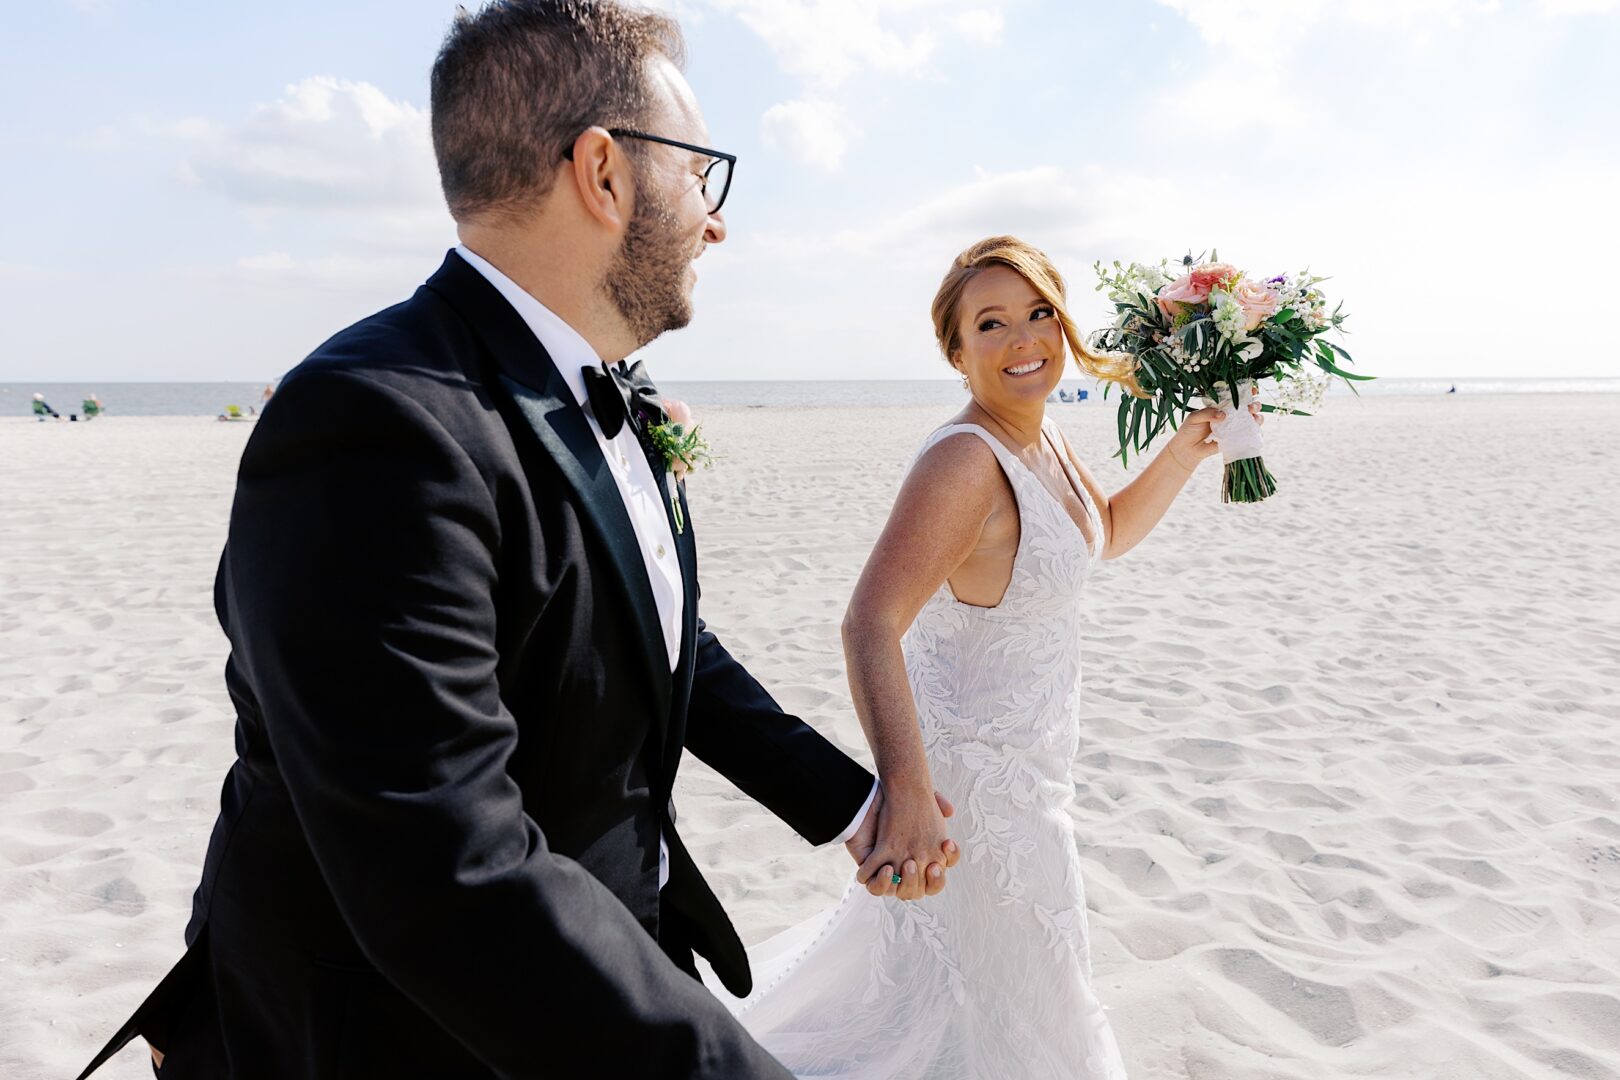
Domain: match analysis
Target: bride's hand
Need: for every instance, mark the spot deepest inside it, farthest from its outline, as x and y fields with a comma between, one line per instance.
x=910, y=834
x=1193, y=440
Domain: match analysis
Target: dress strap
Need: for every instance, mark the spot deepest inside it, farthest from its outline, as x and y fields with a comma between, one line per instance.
x=941, y=434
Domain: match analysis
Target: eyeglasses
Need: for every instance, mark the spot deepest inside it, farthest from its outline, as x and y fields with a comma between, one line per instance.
x=715, y=180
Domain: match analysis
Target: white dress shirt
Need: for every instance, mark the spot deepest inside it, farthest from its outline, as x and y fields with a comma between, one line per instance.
x=642, y=494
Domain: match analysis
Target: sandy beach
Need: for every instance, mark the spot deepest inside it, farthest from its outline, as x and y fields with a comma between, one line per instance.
x=1348, y=795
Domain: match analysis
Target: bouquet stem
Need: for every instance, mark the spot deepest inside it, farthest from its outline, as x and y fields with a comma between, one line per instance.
x=1247, y=481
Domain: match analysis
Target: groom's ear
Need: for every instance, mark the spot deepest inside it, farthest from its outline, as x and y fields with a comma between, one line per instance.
x=601, y=175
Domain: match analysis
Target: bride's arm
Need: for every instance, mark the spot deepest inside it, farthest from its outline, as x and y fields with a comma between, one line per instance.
x=936, y=522
x=1133, y=511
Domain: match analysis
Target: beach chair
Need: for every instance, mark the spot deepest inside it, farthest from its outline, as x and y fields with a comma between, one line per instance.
x=234, y=412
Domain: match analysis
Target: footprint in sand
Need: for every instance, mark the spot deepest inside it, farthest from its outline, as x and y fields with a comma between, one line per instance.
x=67, y=821
x=1325, y=1012
x=121, y=897
x=1206, y=753
x=1474, y=871
x=12, y=783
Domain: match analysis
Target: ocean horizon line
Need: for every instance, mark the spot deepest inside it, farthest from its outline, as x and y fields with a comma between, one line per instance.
x=213, y=398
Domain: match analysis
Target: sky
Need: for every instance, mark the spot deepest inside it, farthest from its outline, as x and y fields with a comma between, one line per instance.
x=206, y=191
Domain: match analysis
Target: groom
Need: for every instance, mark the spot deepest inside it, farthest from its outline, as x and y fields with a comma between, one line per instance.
x=465, y=650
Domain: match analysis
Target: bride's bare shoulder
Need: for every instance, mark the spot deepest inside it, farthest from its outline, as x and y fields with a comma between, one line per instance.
x=961, y=461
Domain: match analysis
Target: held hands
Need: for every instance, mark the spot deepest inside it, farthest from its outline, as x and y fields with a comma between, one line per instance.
x=1194, y=442
x=908, y=833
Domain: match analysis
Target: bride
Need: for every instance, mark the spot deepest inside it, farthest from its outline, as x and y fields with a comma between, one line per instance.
x=963, y=646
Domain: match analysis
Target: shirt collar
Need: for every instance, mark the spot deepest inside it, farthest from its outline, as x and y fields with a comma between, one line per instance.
x=569, y=351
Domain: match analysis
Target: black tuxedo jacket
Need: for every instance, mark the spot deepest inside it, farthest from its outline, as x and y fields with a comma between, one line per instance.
x=437, y=851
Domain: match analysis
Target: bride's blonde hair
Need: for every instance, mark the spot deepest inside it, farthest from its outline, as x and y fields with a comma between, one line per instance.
x=1033, y=266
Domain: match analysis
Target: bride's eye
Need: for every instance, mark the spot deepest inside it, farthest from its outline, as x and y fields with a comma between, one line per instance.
x=1042, y=312
x=988, y=325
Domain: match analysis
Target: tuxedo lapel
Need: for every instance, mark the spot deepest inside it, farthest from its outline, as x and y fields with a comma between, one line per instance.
x=686, y=548
x=549, y=410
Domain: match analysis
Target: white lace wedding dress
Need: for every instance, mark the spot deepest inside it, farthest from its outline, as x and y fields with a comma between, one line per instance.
x=991, y=978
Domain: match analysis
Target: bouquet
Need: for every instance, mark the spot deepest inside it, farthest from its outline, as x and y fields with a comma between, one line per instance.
x=1207, y=338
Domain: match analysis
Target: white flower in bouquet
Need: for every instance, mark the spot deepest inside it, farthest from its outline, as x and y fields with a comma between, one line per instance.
x=1228, y=315
x=1301, y=391
x=1136, y=283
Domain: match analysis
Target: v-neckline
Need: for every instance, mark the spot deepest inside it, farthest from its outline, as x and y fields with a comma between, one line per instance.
x=1090, y=543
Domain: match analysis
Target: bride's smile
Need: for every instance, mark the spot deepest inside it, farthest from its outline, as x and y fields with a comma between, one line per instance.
x=1011, y=348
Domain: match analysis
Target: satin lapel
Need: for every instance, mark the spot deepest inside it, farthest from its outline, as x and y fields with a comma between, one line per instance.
x=549, y=409
x=560, y=425
x=686, y=548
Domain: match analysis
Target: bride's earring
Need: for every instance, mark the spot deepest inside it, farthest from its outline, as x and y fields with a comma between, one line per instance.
x=965, y=385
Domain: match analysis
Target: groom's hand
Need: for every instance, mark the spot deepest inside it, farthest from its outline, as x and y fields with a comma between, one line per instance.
x=879, y=880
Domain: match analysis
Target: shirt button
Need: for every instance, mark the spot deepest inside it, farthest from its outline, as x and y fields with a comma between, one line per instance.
x=623, y=460
x=660, y=551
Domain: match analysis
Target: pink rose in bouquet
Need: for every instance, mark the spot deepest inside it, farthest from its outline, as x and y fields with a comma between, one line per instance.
x=1181, y=294
x=1258, y=300
x=1208, y=275
x=1193, y=288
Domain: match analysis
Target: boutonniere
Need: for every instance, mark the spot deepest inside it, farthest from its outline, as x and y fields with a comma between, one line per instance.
x=684, y=448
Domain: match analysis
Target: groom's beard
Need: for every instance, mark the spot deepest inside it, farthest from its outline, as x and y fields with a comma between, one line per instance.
x=647, y=278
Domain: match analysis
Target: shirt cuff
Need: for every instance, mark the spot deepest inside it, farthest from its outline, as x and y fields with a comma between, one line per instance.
x=860, y=816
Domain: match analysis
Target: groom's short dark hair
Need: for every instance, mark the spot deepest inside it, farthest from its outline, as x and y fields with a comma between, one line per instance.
x=517, y=81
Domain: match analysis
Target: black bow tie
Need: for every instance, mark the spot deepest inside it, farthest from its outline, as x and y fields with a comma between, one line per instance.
x=623, y=390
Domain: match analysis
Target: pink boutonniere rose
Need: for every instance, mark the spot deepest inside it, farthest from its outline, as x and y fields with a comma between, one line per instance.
x=681, y=441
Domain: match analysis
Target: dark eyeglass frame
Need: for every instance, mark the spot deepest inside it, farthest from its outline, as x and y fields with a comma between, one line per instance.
x=719, y=156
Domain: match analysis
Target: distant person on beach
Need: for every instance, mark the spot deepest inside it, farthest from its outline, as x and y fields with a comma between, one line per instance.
x=269, y=392
x=460, y=590
x=42, y=409
x=92, y=407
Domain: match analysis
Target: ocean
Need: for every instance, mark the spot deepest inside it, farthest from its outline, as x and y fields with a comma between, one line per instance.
x=210, y=398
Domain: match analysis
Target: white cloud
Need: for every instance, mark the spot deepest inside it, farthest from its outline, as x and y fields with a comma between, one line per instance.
x=1257, y=28
x=381, y=274
x=327, y=144
x=827, y=41
x=355, y=165
x=140, y=129
x=813, y=131
x=1283, y=71
x=979, y=25
x=1404, y=253
x=1086, y=211
x=1578, y=7
x=16, y=271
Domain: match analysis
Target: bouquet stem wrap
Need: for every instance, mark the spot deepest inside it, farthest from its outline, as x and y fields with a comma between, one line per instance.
x=1246, y=479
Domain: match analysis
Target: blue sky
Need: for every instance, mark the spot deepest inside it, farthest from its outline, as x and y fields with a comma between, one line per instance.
x=206, y=191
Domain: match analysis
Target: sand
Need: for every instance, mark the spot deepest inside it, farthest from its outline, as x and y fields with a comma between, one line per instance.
x=1348, y=794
